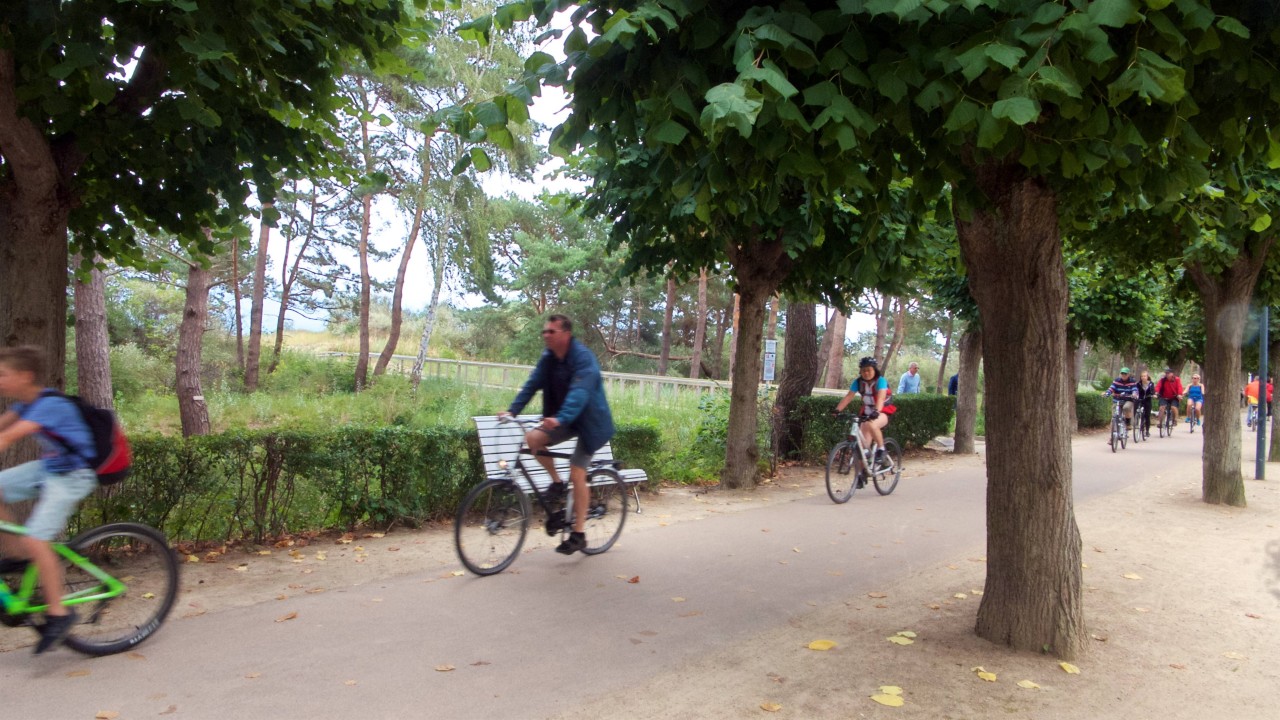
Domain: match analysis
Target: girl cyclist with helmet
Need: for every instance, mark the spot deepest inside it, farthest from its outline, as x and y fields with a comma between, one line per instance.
x=874, y=391
x=1195, y=401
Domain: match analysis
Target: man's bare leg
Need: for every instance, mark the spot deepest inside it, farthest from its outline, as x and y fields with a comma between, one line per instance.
x=581, y=496
x=537, y=442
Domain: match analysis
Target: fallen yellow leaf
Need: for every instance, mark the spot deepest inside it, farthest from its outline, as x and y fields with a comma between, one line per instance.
x=290, y=616
x=264, y=552
x=1132, y=576
x=241, y=568
x=770, y=707
x=253, y=676
x=1027, y=685
x=822, y=645
x=889, y=700
x=795, y=549
x=899, y=640
x=1233, y=656
x=321, y=556
x=1069, y=668
x=148, y=596
x=193, y=559
x=677, y=599
x=890, y=689
x=444, y=668
x=988, y=676
x=959, y=596
x=106, y=715
x=906, y=634
x=78, y=673
x=876, y=595
x=457, y=573
x=348, y=682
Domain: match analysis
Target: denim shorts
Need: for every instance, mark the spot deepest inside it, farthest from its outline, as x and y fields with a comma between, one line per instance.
x=57, y=495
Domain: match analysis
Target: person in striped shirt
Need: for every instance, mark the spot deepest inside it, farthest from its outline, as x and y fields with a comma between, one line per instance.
x=1125, y=388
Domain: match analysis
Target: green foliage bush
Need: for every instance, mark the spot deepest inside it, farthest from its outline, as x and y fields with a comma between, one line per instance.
x=308, y=373
x=638, y=444
x=919, y=419
x=257, y=485
x=1093, y=410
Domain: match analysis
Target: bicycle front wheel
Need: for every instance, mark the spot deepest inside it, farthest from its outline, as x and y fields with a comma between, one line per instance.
x=886, y=480
x=606, y=510
x=491, y=525
x=840, y=481
x=1115, y=433
x=138, y=556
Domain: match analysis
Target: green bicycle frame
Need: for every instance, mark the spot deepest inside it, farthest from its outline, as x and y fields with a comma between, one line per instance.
x=19, y=603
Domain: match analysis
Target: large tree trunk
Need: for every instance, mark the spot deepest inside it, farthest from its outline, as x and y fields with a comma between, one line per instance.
x=366, y=292
x=1013, y=251
x=967, y=392
x=700, y=329
x=665, y=356
x=93, y=347
x=397, y=296
x=946, y=352
x=1225, y=298
x=759, y=267
x=799, y=373
x=195, y=314
x=834, y=376
x=737, y=328
x=253, y=353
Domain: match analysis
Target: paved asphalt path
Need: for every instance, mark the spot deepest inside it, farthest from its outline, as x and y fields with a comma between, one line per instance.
x=556, y=632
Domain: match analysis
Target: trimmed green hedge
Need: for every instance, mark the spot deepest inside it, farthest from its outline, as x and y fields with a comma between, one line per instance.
x=919, y=419
x=259, y=484
x=1093, y=410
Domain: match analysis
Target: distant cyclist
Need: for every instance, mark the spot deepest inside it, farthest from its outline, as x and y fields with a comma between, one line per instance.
x=1125, y=389
x=1169, y=390
x=871, y=386
x=1146, y=392
x=1195, y=400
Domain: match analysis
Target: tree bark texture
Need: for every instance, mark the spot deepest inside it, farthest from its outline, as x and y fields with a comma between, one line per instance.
x=397, y=296
x=759, y=268
x=737, y=327
x=799, y=373
x=700, y=328
x=253, y=353
x=665, y=356
x=195, y=314
x=967, y=391
x=93, y=347
x=771, y=328
x=429, y=325
x=289, y=275
x=1225, y=298
x=834, y=375
x=1013, y=250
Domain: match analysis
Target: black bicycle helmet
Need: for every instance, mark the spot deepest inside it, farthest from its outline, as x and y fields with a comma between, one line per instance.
x=868, y=362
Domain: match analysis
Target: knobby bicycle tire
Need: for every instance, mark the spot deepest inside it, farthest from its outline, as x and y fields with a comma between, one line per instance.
x=841, y=481
x=887, y=480
x=138, y=556
x=491, y=526
x=606, y=510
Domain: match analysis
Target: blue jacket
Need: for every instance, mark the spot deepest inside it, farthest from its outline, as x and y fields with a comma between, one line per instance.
x=585, y=409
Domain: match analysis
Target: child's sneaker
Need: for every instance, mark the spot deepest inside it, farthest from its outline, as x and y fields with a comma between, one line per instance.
x=54, y=630
x=577, y=541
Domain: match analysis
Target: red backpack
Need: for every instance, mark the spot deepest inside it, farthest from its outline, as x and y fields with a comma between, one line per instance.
x=111, y=455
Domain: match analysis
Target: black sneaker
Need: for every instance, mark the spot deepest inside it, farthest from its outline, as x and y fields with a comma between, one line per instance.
x=577, y=541
x=556, y=492
x=54, y=630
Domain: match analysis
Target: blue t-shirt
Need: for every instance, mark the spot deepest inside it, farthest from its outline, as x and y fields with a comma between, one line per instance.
x=58, y=416
x=1196, y=392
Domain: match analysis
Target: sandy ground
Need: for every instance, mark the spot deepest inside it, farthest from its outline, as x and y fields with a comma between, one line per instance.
x=1182, y=603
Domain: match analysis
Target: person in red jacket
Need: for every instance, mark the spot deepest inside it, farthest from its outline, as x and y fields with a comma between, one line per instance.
x=1169, y=390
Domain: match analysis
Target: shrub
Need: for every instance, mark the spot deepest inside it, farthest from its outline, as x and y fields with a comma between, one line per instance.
x=919, y=419
x=638, y=444
x=1092, y=410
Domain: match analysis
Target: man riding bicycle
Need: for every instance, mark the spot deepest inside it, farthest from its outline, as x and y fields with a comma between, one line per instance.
x=874, y=390
x=1125, y=390
x=1169, y=390
x=573, y=405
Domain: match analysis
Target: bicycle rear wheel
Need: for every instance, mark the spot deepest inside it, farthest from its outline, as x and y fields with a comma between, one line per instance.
x=887, y=480
x=491, y=525
x=138, y=556
x=606, y=510
x=840, y=481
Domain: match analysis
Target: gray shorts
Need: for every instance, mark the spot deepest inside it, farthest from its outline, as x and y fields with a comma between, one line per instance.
x=56, y=494
x=581, y=457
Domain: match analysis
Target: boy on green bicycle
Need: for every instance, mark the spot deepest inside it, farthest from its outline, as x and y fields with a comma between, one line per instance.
x=58, y=481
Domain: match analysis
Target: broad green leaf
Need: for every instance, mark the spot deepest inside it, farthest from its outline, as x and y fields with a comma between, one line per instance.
x=480, y=159
x=1262, y=223
x=770, y=76
x=1005, y=55
x=990, y=131
x=1020, y=110
x=892, y=86
x=669, y=131
x=1112, y=13
x=1158, y=4
x=1059, y=80
x=1233, y=26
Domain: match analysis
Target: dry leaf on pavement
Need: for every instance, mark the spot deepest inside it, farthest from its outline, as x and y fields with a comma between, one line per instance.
x=821, y=645
x=770, y=707
x=444, y=668
x=290, y=616
x=106, y=715
x=1069, y=668
x=1027, y=685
